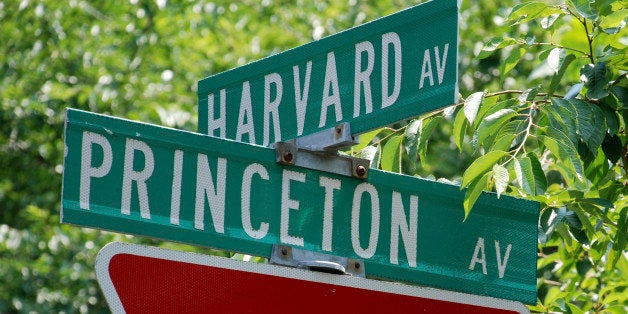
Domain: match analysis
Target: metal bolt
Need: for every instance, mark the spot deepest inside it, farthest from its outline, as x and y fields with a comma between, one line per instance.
x=284, y=251
x=338, y=130
x=360, y=171
x=287, y=156
x=357, y=265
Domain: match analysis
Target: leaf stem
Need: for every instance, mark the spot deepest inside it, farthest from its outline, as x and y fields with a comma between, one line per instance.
x=525, y=138
x=563, y=47
x=589, y=40
x=389, y=135
x=514, y=91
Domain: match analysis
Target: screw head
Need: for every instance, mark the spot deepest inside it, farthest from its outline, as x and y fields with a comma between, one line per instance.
x=287, y=156
x=360, y=171
x=338, y=130
x=356, y=265
x=284, y=251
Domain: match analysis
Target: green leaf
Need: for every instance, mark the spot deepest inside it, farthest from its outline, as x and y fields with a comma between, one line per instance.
x=597, y=170
x=540, y=181
x=574, y=90
x=367, y=152
x=594, y=78
x=426, y=132
x=561, y=137
x=481, y=166
x=460, y=129
x=366, y=139
x=614, y=22
x=548, y=21
x=377, y=157
x=612, y=148
x=579, y=234
x=503, y=142
x=562, y=116
x=473, y=193
x=489, y=107
x=525, y=176
x=566, y=154
x=563, y=64
x=591, y=123
x=583, y=7
x=612, y=121
x=472, y=105
x=501, y=177
x=529, y=11
x=511, y=61
x=621, y=93
x=528, y=95
x=556, y=58
x=621, y=238
x=492, y=123
x=496, y=43
x=391, y=154
x=412, y=138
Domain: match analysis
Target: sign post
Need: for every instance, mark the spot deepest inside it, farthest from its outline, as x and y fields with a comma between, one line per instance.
x=372, y=75
x=141, y=279
x=163, y=183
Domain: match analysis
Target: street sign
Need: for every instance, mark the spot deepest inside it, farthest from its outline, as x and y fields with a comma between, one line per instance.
x=142, y=279
x=372, y=75
x=153, y=181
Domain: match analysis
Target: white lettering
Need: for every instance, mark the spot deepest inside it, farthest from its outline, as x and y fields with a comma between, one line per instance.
x=272, y=107
x=87, y=171
x=426, y=69
x=246, y=113
x=215, y=194
x=219, y=123
x=408, y=230
x=479, y=248
x=441, y=62
x=369, y=251
x=129, y=175
x=363, y=77
x=287, y=204
x=247, y=179
x=328, y=212
x=300, y=98
x=501, y=264
x=331, y=79
x=387, y=39
x=175, y=200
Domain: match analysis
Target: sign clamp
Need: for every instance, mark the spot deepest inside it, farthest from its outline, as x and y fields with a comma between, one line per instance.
x=325, y=263
x=319, y=151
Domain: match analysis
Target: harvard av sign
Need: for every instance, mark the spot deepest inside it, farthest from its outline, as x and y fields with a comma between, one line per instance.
x=148, y=180
x=388, y=70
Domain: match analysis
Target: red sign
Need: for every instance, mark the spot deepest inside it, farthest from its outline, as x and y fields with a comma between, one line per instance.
x=141, y=279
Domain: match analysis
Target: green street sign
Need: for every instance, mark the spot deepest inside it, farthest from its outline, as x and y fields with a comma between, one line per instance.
x=175, y=185
x=372, y=75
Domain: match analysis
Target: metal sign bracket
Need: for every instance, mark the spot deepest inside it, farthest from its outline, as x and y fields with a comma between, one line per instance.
x=319, y=151
x=298, y=258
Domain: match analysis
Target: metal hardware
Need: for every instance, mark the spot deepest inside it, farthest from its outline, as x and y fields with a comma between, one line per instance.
x=289, y=154
x=289, y=256
x=329, y=139
x=319, y=151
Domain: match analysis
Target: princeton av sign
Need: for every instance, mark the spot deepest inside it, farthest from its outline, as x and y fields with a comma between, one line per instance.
x=137, y=178
x=375, y=74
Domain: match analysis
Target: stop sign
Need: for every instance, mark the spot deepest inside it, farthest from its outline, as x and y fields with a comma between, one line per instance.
x=142, y=279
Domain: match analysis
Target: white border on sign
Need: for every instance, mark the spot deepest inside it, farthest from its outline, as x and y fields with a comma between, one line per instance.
x=111, y=249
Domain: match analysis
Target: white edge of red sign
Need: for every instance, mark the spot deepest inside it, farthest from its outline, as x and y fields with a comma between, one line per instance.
x=110, y=250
